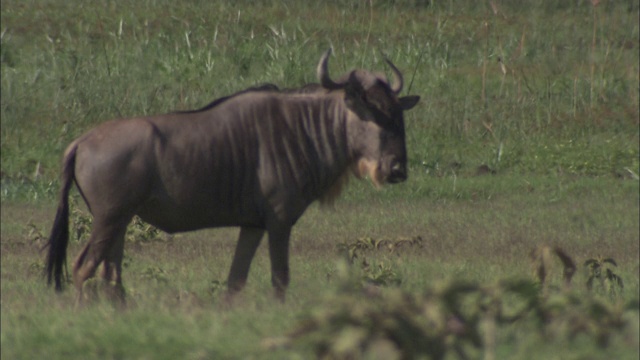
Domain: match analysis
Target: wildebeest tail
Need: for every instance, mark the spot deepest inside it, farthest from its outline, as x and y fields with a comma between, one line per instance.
x=59, y=238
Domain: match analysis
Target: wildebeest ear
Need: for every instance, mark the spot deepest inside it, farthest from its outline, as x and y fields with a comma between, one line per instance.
x=408, y=102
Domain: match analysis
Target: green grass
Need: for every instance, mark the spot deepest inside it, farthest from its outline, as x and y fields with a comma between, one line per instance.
x=175, y=296
x=559, y=127
x=567, y=101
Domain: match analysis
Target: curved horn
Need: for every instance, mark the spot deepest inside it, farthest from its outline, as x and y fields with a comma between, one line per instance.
x=397, y=84
x=323, y=73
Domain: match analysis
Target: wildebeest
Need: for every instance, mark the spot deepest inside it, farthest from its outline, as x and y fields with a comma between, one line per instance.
x=256, y=159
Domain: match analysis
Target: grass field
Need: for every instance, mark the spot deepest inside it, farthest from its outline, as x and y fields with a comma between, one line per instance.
x=543, y=95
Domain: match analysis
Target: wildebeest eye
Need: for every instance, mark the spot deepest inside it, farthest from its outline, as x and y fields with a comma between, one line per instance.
x=378, y=99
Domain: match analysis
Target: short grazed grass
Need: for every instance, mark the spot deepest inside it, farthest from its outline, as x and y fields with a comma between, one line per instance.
x=527, y=135
x=174, y=286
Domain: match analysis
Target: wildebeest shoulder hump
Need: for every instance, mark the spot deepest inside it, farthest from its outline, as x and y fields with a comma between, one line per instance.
x=260, y=88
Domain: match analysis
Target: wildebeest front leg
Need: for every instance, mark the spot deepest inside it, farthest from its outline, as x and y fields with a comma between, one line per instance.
x=279, y=254
x=248, y=242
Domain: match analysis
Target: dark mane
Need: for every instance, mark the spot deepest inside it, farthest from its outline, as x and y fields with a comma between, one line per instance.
x=304, y=89
x=260, y=88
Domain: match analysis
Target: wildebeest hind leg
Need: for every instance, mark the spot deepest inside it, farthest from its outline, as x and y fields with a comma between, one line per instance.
x=112, y=271
x=106, y=237
x=248, y=242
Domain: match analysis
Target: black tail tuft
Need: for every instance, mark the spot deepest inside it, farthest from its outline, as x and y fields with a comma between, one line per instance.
x=57, y=254
x=59, y=239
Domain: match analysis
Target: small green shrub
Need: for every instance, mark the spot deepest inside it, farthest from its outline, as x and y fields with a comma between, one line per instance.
x=367, y=244
x=156, y=274
x=217, y=287
x=373, y=272
x=459, y=317
x=137, y=231
x=35, y=235
x=379, y=274
x=600, y=271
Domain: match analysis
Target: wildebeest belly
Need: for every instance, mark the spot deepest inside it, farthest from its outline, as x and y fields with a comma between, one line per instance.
x=207, y=211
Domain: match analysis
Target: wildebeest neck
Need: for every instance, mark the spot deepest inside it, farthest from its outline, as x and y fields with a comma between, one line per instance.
x=303, y=143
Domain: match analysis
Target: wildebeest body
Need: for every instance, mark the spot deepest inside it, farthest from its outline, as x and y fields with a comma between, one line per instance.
x=255, y=160
x=222, y=167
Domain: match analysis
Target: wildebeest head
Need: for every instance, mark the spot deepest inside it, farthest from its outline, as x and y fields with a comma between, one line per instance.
x=376, y=131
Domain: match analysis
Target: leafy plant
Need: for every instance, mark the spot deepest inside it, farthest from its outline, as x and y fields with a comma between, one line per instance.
x=363, y=244
x=35, y=234
x=459, y=317
x=138, y=230
x=80, y=220
x=541, y=258
x=156, y=274
x=571, y=314
x=217, y=287
x=379, y=274
x=36, y=268
x=600, y=270
x=447, y=318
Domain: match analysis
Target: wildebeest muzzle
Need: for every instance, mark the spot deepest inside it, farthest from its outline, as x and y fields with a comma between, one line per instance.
x=397, y=172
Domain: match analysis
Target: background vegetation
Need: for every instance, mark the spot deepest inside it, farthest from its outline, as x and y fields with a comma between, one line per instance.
x=527, y=136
